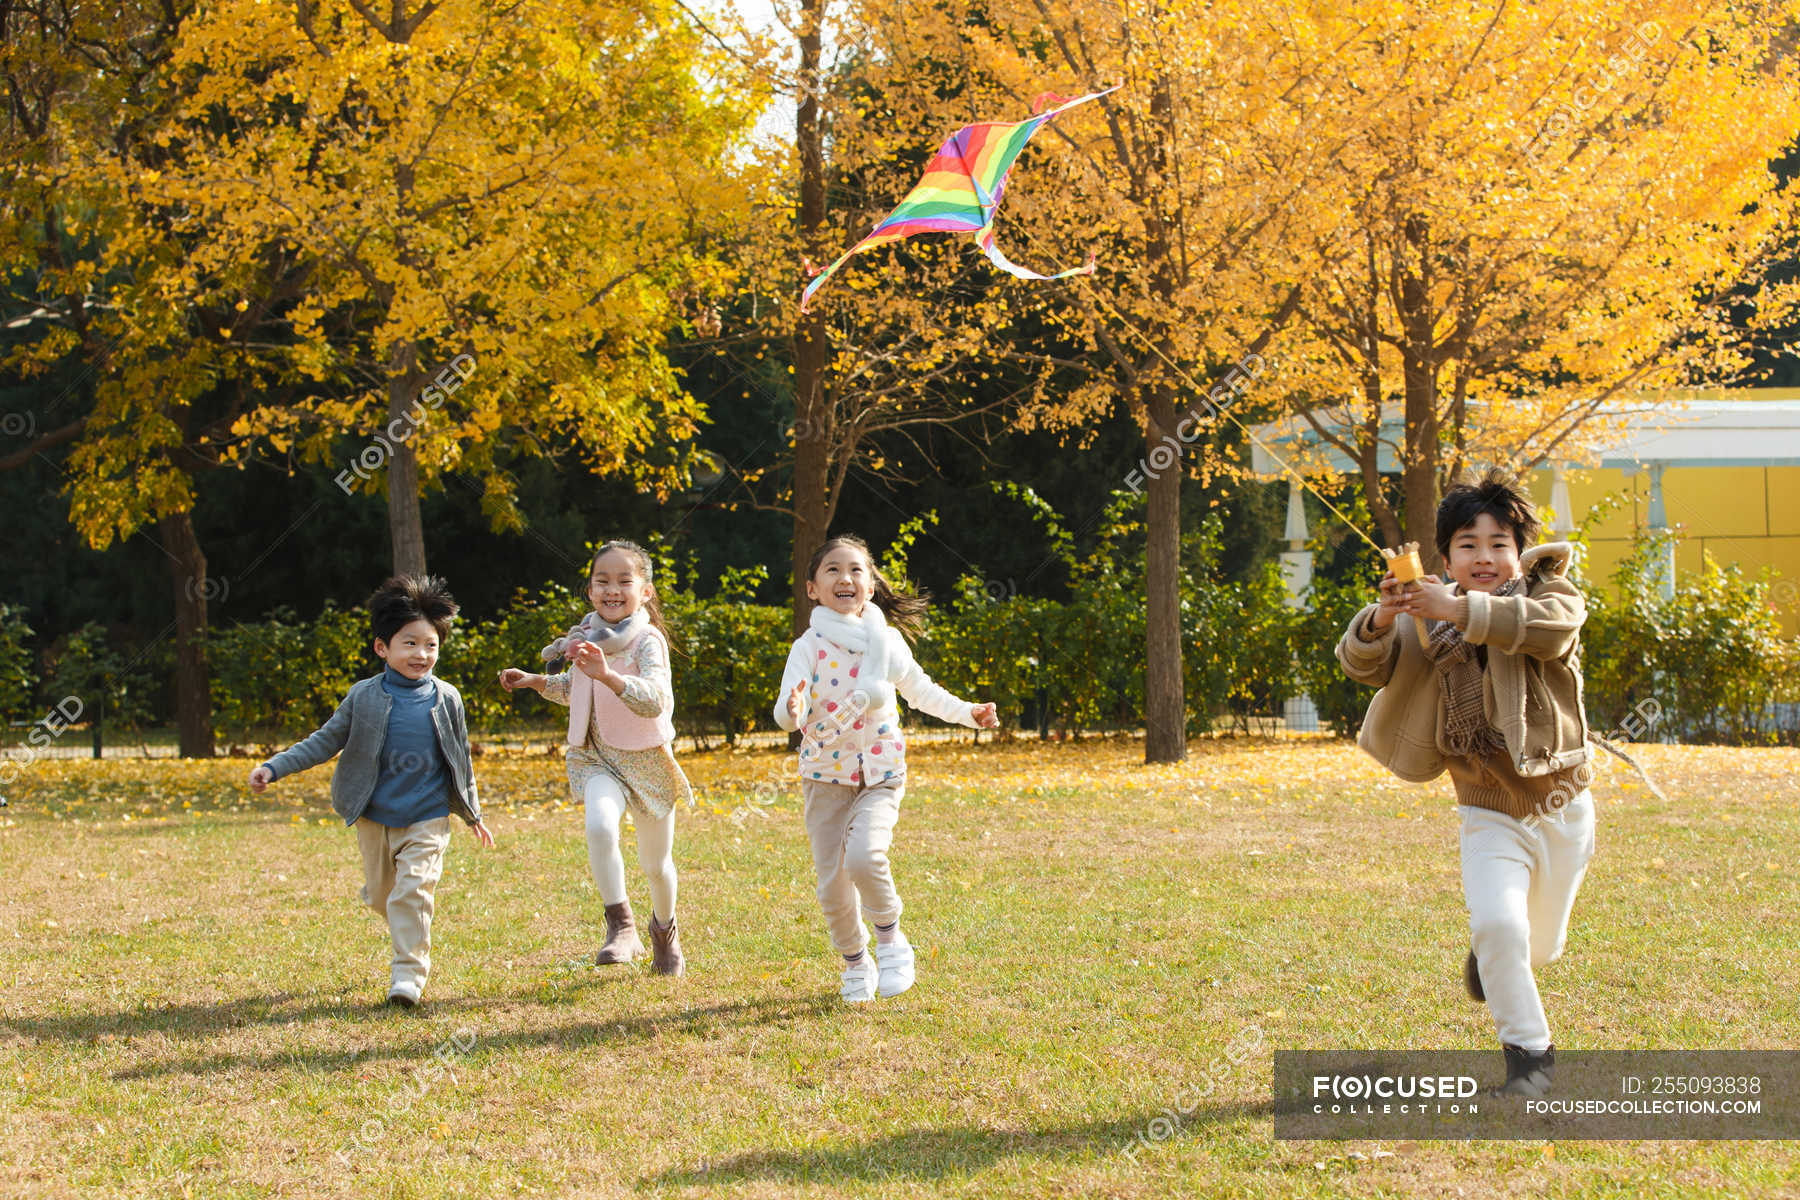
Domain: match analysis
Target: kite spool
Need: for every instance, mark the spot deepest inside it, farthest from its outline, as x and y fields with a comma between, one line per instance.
x=1404, y=565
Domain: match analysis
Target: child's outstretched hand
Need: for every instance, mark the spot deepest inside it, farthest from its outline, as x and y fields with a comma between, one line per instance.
x=796, y=700
x=260, y=779
x=985, y=715
x=482, y=834
x=591, y=661
x=1393, y=602
x=512, y=678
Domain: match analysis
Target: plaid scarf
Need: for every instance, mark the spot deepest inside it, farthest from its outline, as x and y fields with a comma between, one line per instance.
x=1467, y=733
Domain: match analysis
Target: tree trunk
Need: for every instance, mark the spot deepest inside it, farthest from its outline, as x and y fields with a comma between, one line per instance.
x=812, y=516
x=1165, y=702
x=1419, y=473
x=1419, y=470
x=1419, y=464
x=812, y=447
x=406, y=524
x=192, y=588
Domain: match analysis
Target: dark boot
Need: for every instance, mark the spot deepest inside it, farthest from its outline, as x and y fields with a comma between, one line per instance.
x=665, y=948
x=622, y=944
x=1528, y=1074
x=1472, y=978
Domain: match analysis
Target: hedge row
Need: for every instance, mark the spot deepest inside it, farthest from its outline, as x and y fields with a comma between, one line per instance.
x=1061, y=666
x=1712, y=657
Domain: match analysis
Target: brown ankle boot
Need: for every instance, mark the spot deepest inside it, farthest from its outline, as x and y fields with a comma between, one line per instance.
x=665, y=948
x=622, y=944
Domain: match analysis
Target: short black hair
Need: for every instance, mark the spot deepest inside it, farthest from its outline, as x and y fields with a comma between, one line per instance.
x=1498, y=494
x=404, y=599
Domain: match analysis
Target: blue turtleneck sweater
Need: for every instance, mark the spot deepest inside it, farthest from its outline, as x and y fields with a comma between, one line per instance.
x=414, y=782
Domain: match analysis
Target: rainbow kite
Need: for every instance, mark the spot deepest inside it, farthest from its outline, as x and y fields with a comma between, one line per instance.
x=962, y=189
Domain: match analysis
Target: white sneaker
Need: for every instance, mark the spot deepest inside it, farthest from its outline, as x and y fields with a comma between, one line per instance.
x=859, y=980
x=896, y=966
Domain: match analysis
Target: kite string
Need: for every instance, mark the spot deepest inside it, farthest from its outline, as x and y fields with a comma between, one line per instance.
x=1286, y=467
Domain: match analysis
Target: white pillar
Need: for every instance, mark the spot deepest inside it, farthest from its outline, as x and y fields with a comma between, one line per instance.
x=1562, y=510
x=1659, y=524
x=1296, y=573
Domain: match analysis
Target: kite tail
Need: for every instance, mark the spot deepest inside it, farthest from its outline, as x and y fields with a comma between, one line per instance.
x=820, y=276
x=1613, y=750
x=986, y=241
x=1056, y=102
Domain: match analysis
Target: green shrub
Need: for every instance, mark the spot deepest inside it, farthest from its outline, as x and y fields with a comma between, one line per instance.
x=1237, y=636
x=730, y=655
x=279, y=679
x=1712, y=655
x=477, y=652
x=114, y=687
x=1330, y=603
x=18, y=681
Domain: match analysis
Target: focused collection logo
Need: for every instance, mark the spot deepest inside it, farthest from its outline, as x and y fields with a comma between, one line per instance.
x=1348, y=1093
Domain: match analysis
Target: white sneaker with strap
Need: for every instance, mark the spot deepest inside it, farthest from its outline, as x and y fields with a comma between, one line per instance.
x=859, y=980
x=896, y=966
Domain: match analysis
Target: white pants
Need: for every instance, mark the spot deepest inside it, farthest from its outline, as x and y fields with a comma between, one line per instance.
x=1520, y=880
x=604, y=803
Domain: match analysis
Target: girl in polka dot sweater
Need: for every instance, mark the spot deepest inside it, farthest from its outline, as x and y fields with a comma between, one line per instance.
x=839, y=691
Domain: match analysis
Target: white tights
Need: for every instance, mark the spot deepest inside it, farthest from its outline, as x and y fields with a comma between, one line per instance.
x=604, y=803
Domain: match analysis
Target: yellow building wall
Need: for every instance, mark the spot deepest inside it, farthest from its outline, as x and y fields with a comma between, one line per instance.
x=1749, y=516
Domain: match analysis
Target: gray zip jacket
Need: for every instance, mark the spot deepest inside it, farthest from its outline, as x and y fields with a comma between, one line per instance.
x=359, y=728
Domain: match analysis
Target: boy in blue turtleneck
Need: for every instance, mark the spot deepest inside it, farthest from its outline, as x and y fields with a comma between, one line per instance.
x=405, y=769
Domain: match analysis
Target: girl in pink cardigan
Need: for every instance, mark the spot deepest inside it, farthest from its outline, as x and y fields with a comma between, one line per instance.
x=621, y=699
x=838, y=690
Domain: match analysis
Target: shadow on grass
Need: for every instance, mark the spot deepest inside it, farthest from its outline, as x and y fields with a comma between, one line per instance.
x=96, y=823
x=202, y=1020
x=206, y=1020
x=935, y=1153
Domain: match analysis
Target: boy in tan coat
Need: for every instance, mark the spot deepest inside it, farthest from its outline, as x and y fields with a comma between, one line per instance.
x=1496, y=703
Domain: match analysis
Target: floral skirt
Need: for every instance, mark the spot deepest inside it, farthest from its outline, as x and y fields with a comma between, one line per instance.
x=652, y=780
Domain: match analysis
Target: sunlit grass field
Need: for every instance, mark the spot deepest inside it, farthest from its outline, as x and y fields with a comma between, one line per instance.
x=192, y=992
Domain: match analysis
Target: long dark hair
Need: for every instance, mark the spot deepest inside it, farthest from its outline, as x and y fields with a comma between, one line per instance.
x=641, y=560
x=904, y=610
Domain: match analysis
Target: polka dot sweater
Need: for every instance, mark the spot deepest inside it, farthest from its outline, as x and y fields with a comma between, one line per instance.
x=841, y=739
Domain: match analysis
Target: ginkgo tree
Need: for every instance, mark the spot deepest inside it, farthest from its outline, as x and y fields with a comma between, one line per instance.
x=1570, y=206
x=1486, y=216
x=889, y=355
x=248, y=231
x=88, y=325
x=1195, y=185
x=475, y=213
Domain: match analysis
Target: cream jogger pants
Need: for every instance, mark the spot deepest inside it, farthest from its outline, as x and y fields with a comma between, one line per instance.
x=851, y=829
x=401, y=868
x=1520, y=880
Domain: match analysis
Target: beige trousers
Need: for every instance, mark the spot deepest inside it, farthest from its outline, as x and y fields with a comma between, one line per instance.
x=851, y=829
x=400, y=874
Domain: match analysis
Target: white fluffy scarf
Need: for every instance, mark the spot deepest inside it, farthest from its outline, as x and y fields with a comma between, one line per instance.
x=866, y=635
x=612, y=637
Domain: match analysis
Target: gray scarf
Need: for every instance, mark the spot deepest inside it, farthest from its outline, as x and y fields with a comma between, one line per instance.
x=614, y=637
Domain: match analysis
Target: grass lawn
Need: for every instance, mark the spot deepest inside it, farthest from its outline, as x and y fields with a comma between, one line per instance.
x=191, y=1001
